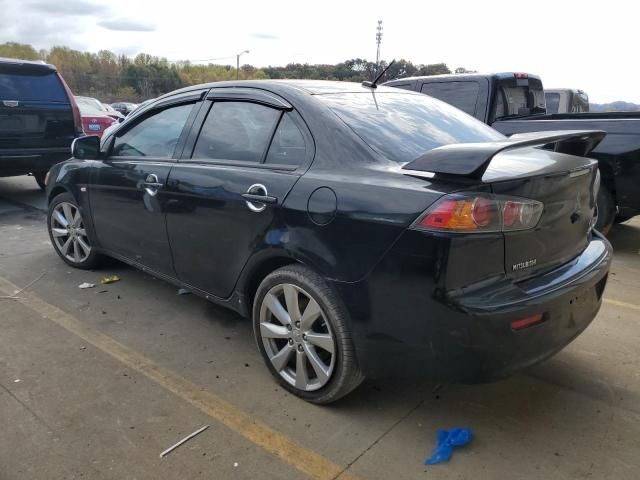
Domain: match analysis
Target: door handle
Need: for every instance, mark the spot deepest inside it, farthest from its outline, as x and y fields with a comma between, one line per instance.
x=257, y=198
x=151, y=184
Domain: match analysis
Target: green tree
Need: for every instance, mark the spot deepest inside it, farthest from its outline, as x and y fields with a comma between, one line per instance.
x=19, y=50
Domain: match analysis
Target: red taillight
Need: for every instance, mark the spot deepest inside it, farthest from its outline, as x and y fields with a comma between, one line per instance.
x=481, y=212
x=526, y=322
x=511, y=213
x=77, y=118
x=520, y=75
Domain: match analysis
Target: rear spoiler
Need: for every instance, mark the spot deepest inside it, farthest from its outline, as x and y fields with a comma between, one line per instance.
x=472, y=159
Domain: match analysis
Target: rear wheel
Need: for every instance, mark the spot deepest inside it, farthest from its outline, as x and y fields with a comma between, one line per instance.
x=606, y=210
x=301, y=330
x=39, y=178
x=68, y=233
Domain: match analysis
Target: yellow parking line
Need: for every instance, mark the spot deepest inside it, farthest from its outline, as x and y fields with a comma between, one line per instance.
x=618, y=303
x=305, y=460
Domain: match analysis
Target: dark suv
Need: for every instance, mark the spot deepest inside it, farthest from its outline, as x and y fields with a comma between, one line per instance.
x=39, y=118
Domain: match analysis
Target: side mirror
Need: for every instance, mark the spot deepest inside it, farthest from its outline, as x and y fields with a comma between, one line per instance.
x=86, y=148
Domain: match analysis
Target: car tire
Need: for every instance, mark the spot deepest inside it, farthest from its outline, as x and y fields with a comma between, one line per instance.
x=39, y=178
x=71, y=240
x=606, y=211
x=324, y=370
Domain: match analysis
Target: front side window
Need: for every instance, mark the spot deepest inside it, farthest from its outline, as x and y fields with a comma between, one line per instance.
x=155, y=136
x=236, y=131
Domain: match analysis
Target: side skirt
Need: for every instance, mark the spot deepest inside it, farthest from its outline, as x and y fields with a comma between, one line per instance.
x=235, y=301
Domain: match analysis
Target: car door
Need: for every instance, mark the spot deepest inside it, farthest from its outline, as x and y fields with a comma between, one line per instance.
x=127, y=198
x=228, y=187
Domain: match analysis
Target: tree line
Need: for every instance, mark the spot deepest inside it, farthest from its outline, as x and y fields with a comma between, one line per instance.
x=111, y=77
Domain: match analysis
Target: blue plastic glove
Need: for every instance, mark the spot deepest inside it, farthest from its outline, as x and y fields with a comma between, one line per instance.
x=446, y=440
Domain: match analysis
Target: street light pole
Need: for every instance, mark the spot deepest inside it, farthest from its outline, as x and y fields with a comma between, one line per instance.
x=238, y=63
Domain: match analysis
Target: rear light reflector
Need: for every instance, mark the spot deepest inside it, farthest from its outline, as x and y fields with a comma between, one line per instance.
x=480, y=212
x=526, y=322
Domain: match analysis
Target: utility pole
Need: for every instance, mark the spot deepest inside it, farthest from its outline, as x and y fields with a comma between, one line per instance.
x=238, y=63
x=378, y=41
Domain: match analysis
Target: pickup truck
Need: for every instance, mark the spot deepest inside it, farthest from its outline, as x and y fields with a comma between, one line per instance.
x=566, y=100
x=515, y=103
x=39, y=118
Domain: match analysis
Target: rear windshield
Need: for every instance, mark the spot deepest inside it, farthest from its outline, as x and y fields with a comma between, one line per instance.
x=404, y=126
x=519, y=97
x=34, y=88
x=553, y=102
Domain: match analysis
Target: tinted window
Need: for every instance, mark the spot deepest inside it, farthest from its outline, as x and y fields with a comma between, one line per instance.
x=553, y=102
x=288, y=146
x=155, y=136
x=47, y=88
x=403, y=126
x=236, y=131
x=462, y=95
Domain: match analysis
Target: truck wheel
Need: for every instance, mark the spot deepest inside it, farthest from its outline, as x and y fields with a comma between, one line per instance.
x=606, y=210
x=302, y=331
x=39, y=178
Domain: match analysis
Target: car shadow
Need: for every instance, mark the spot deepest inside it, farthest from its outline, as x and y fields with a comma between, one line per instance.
x=625, y=237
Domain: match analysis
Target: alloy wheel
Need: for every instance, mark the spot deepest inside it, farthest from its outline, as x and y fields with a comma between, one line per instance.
x=297, y=337
x=69, y=233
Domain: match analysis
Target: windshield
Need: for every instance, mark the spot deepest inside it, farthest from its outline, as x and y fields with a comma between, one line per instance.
x=403, y=126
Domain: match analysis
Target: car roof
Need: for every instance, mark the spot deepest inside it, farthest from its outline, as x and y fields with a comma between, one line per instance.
x=27, y=63
x=310, y=87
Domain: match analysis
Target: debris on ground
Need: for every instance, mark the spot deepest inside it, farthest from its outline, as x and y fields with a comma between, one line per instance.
x=183, y=291
x=86, y=285
x=235, y=464
x=446, y=440
x=185, y=439
x=109, y=279
x=17, y=380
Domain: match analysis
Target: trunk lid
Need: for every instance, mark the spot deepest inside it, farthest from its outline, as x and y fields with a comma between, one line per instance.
x=565, y=185
x=35, y=111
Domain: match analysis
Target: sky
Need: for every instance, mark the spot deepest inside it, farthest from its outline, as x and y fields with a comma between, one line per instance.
x=576, y=44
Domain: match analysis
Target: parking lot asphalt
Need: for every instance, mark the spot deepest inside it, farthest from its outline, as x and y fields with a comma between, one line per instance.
x=96, y=383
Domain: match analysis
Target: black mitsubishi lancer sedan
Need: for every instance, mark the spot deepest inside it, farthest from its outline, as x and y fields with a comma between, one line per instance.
x=367, y=231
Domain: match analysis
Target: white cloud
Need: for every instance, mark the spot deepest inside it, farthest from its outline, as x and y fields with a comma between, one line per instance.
x=580, y=44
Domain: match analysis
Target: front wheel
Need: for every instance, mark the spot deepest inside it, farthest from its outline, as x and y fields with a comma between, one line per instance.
x=301, y=329
x=68, y=233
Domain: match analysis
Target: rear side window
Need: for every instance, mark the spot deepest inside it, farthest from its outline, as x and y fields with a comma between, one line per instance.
x=402, y=126
x=31, y=88
x=236, y=131
x=462, y=95
x=155, y=136
x=288, y=146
